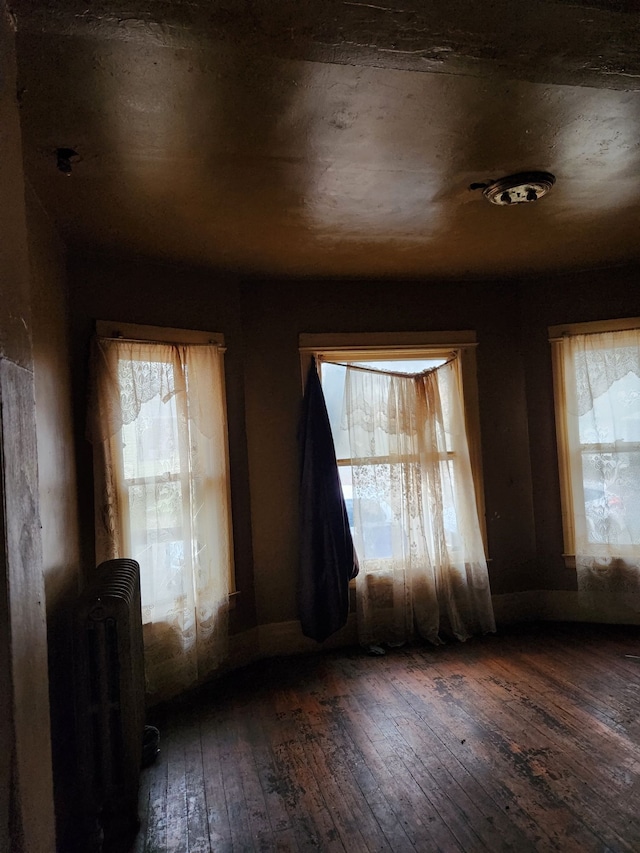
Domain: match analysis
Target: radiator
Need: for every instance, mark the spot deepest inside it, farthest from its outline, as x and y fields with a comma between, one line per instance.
x=110, y=702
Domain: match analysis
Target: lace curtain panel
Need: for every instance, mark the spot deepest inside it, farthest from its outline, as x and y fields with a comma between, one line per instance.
x=417, y=534
x=161, y=497
x=602, y=381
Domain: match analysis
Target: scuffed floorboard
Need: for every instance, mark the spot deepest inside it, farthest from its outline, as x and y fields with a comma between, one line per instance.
x=525, y=741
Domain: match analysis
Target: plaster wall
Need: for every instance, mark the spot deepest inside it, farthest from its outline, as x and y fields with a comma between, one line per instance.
x=262, y=319
x=275, y=313
x=54, y=421
x=581, y=297
x=133, y=291
x=26, y=800
x=57, y=491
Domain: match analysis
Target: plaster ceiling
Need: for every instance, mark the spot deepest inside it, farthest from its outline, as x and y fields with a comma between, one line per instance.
x=336, y=138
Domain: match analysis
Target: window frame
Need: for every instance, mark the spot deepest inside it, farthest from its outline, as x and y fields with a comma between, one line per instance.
x=366, y=346
x=178, y=337
x=557, y=335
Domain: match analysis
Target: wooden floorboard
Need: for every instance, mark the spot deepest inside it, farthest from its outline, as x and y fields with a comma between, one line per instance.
x=525, y=741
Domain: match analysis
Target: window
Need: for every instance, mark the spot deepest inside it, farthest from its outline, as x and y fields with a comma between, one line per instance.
x=405, y=353
x=377, y=528
x=400, y=426
x=162, y=497
x=597, y=396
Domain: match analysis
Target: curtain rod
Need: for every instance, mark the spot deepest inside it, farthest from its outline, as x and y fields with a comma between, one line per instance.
x=565, y=335
x=161, y=343
x=352, y=366
x=390, y=349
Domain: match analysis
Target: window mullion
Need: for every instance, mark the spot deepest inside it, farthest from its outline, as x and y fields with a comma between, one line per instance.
x=184, y=474
x=169, y=477
x=561, y=384
x=117, y=447
x=390, y=460
x=611, y=447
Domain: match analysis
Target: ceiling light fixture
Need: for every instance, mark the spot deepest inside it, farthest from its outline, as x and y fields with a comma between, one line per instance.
x=519, y=189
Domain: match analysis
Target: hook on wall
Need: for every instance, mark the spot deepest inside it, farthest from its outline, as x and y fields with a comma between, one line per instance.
x=64, y=158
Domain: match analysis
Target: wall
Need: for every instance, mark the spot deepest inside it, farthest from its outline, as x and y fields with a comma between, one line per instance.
x=131, y=290
x=54, y=422
x=581, y=297
x=57, y=493
x=274, y=315
x=261, y=321
x=26, y=800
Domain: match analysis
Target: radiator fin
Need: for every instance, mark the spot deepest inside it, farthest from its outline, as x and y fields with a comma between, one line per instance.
x=110, y=702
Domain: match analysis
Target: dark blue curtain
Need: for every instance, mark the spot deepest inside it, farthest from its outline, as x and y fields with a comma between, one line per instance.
x=327, y=557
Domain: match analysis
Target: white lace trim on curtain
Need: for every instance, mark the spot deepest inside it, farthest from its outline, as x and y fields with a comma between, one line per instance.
x=417, y=533
x=602, y=378
x=161, y=497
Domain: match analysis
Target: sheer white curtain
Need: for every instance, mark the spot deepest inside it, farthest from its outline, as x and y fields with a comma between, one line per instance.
x=417, y=533
x=161, y=496
x=602, y=387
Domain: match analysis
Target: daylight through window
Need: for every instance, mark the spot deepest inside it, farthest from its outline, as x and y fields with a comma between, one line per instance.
x=162, y=495
x=597, y=382
x=400, y=426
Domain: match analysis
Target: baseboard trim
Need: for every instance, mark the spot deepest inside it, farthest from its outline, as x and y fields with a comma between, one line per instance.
x=244, y=648
x=286, y=638
x=567, y=606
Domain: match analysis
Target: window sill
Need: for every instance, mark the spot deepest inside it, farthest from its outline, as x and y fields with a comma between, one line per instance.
x=569, y=561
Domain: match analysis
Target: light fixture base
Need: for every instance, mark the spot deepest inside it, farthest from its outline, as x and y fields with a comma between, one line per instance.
x=520, y=188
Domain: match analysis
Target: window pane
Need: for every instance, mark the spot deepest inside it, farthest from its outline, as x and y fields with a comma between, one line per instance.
x=451, y=522
x=149, y=443
x=612, y=497
x=333, y=381
x=377, y=533
x=409, y=365
x=346, y=481
x=615, y=415
x=157, y=537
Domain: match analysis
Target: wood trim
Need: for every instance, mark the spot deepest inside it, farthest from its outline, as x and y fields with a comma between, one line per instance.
x=562, y=441
x=159, y=334
x=342, y=345
x=311, y=342
x=166, y=335
x=558, y=332
x=227, y=473
x=557, y=335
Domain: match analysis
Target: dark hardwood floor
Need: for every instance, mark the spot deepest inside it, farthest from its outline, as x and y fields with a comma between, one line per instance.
x=527, y=740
